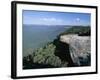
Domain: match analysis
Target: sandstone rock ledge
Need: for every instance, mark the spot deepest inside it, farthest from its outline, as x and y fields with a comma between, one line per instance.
x=79, y=47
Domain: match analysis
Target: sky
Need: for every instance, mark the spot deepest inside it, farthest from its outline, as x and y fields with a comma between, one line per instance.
x=31, y=17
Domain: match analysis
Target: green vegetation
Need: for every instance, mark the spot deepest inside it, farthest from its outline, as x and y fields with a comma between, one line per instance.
x=80, y=30
x=52, y=55
x=46, y=55
x=43, y=57
x=56, y=53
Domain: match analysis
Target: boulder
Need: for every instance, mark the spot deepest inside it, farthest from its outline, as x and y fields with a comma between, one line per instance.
x=79, y=47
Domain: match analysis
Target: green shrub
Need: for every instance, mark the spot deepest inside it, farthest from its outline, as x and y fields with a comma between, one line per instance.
x=53, y=60
x=81, y=30
x=46, y=55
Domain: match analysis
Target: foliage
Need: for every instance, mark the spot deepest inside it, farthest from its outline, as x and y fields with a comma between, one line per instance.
x=56, y=53
x=80, y=30
x=46, y=55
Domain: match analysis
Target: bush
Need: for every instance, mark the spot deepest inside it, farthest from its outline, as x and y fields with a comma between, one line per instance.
x=46, y=55
x=80, y=30
x=53, y=60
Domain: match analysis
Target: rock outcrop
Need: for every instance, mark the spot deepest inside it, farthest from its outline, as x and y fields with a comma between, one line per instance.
x=70, y=50
x=79, y=47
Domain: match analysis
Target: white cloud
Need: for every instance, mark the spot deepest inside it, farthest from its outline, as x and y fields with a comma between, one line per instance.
x=45, y=19
x=52, y=19
x=77, y=19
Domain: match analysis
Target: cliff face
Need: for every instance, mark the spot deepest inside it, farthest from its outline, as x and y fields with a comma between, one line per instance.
x=79, y=47
x=65, y=51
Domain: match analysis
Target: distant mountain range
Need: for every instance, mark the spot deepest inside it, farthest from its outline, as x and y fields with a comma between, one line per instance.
x=58, y=25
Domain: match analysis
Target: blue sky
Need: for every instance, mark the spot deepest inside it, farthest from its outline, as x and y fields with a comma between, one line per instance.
x=55, y=18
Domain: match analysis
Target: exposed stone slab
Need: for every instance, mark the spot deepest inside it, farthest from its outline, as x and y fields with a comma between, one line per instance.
x=80, y=48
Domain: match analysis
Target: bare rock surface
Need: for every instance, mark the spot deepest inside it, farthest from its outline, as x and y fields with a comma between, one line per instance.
x=79, y=47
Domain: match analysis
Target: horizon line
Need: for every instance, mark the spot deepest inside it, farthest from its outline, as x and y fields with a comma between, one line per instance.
x=56, y=25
